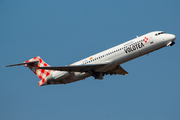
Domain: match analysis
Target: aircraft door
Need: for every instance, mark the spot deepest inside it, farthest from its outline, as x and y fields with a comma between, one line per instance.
x=150, y=40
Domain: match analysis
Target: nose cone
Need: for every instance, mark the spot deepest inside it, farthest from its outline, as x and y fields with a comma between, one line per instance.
x=172, y=37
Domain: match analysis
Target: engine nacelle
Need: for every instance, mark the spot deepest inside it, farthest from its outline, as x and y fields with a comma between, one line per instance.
x=57, y=76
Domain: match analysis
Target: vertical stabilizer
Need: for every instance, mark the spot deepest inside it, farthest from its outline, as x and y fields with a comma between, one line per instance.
x=41, y=73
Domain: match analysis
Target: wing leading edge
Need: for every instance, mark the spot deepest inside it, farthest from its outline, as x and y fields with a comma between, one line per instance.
x=74, y=68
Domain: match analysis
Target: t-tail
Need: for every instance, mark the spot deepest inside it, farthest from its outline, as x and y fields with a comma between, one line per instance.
x=33, y=64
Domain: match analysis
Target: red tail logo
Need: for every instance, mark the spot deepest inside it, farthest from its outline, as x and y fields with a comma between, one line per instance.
x=41, y=73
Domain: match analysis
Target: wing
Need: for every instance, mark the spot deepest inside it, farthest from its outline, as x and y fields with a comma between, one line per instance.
x=117, y=70
x=87, y=68
x=75, y=68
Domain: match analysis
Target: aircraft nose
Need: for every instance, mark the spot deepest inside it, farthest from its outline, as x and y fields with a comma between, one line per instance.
x=172, y=37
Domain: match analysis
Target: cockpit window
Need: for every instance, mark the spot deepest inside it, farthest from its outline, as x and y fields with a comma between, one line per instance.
x=159, y=33
x=162, y=32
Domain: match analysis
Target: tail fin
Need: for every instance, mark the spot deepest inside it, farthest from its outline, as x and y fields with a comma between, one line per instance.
x=41, y=73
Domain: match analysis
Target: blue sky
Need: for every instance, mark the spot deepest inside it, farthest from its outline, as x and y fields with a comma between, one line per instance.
x=63, y=32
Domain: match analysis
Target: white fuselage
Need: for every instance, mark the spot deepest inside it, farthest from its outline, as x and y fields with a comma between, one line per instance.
x=117, y=55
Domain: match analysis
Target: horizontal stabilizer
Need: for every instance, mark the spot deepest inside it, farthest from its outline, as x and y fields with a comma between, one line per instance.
x=22, y=63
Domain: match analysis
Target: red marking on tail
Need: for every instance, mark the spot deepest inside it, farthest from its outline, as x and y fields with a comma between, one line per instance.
x=41, y=73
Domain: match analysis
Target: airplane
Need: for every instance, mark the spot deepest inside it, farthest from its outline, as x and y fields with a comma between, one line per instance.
x=107, y=62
